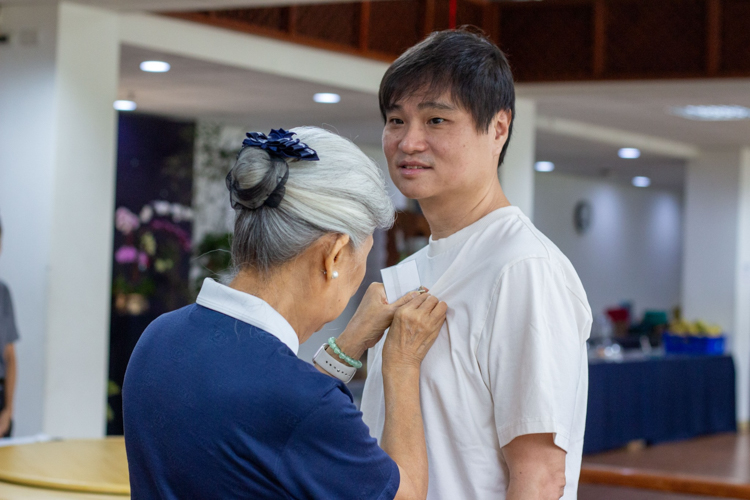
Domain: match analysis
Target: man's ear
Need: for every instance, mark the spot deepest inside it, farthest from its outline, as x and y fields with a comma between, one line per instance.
x=500, y=127
x=335, y=254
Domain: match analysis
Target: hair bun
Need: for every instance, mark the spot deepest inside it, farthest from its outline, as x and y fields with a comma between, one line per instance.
x=269, y=191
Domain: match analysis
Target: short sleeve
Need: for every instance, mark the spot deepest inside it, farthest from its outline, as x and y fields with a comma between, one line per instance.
x=332, y=455
x=9, y=333
x=532, y=353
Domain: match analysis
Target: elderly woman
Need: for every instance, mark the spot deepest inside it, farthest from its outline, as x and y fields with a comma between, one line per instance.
x=216, y=402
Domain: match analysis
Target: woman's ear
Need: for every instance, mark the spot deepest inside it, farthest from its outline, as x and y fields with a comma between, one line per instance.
x=335, y=255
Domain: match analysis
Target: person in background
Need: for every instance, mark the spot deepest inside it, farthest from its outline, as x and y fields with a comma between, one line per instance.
x=8, y=368
x=504, y=388
x=216, y=403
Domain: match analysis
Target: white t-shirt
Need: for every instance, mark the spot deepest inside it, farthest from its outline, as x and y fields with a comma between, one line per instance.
x=510, y=359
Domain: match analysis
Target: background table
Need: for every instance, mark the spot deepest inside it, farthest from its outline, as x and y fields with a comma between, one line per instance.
x=82, y=467
x=657, y=400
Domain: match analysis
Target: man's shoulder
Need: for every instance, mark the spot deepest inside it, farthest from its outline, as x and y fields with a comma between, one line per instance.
x=518, y=242
x=509, y=241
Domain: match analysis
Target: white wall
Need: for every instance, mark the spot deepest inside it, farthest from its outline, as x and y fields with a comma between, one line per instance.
x=633, y=249
x=57, y=154
x=27, y=96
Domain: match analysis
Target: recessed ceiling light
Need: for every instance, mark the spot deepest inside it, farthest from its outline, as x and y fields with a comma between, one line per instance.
x=641, y=181
x=155, y=66
x=544, y=166
x=327, y=98
x=125, y=105
x=629, y=153
x=712, y=113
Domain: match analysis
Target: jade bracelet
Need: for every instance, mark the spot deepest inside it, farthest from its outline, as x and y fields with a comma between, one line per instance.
x=337, y=350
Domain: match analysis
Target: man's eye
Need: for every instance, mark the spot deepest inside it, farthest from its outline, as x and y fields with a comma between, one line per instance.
x=436, y=121
x=396, y=121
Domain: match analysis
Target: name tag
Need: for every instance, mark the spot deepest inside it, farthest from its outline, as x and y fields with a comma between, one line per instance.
x=400, y=279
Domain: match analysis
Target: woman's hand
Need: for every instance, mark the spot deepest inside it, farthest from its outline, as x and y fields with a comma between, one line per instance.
x=374, y=315
x=415, y=327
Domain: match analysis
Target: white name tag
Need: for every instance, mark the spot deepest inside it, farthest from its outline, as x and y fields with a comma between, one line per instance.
x=400, y=280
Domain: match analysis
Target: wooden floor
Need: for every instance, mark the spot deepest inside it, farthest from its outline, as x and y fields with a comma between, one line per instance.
x=725, y=456
x=596, y=492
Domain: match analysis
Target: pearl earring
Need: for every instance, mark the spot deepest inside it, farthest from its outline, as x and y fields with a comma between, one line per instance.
x=335, y=275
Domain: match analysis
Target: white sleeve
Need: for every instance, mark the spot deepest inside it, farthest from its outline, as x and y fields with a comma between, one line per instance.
x=532, y=352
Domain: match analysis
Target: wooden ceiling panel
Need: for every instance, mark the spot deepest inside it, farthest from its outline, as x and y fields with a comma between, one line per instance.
x=272, y=18
x=335, y=23
x=552, y=42
x=395, y=25
x=667, y=37
x=735, y=40
x=440, y=21
x=469, y=13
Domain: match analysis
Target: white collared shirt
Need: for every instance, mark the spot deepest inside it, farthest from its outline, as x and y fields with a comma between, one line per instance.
x=248, y=309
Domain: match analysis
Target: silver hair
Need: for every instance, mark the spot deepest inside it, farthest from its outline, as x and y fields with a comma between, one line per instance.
x=343, y=193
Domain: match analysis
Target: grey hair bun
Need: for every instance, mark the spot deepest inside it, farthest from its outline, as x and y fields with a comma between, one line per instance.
x=254, y=177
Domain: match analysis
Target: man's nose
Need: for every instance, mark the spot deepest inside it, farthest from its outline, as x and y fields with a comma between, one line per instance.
x=413, y=140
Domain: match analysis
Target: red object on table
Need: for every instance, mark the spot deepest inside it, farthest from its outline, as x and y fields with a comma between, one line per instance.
x=619, y=315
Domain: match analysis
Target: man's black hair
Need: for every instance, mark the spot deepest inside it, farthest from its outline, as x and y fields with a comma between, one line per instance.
x=465, y=63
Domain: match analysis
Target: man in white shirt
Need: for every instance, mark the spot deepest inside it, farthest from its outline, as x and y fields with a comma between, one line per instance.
x=504, y=387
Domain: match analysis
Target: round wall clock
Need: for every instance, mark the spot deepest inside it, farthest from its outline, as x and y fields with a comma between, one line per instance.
x=582, y=216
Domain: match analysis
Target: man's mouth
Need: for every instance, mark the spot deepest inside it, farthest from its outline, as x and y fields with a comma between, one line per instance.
x=413, y=166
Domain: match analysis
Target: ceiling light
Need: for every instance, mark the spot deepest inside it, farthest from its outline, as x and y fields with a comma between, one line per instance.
x=327, y=98
x=155, y=66
x=544, y=166
x=712, y=113
x=125, y=105
x=629, y=153
x=641, y=181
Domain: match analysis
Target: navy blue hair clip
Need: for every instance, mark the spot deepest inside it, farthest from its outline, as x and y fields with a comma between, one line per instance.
x=281, y=144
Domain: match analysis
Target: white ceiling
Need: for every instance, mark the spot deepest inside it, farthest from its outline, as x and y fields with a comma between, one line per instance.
x=579, y=157
x=197, y=89
x=643, y=107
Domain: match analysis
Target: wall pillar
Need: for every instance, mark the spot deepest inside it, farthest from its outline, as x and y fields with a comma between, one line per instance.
x=741, y=340
x=716, y=259
x=57, y=175
x=517, y=171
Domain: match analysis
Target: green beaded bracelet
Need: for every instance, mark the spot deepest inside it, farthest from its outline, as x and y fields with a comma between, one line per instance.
x=337, y=350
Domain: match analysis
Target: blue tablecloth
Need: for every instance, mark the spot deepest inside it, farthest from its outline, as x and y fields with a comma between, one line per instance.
x=661, y=399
